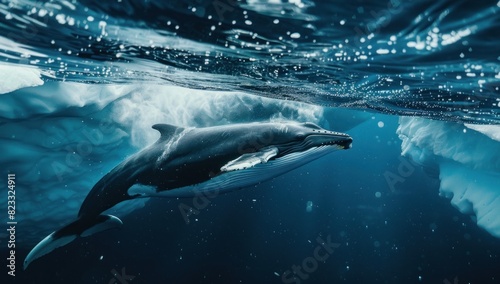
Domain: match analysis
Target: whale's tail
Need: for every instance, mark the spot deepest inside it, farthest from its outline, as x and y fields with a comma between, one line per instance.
x=68, y=233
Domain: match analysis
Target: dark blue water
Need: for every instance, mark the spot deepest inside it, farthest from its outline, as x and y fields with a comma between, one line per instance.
x=100, y=73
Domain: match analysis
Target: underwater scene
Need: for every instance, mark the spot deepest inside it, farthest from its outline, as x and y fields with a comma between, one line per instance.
x=250, y=141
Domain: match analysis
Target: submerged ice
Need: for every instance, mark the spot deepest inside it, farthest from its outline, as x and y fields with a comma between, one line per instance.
x=468, y=161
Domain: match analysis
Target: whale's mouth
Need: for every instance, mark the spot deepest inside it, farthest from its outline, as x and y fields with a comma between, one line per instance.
x=335, y=139
x=341, y=140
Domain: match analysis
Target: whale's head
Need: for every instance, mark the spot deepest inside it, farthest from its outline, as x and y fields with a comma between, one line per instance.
x=299, y=137
x=275, y=148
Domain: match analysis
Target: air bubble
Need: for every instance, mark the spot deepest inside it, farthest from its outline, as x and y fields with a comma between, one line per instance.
x=309, y=206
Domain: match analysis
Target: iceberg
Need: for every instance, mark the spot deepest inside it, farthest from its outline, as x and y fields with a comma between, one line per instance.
x=468, y=159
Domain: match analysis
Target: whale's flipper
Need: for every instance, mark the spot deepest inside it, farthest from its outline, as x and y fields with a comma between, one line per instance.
x=65, y=235
x=250, y=159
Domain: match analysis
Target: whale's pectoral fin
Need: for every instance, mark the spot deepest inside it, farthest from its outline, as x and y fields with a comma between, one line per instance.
x=250, y=159
x=67, y=234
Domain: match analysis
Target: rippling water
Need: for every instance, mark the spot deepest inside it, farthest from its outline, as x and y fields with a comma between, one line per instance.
x=428, y=58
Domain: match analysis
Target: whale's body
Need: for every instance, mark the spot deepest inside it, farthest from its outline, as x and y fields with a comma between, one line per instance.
x=185, y=162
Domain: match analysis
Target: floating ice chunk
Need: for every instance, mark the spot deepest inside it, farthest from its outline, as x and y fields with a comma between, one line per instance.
x=468, y=161
x=425, y=139
x=492, y=131
x=16, y=77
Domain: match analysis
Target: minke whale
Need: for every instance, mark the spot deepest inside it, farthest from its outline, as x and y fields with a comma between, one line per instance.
x=185, y=162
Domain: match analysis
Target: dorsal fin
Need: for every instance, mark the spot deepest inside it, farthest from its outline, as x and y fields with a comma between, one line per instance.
x=167, y=130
